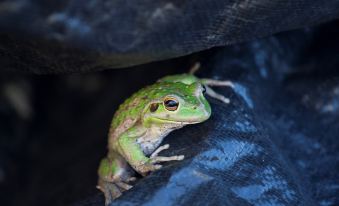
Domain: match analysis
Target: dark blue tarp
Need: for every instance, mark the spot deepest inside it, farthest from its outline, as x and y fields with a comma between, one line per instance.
x=274, y=144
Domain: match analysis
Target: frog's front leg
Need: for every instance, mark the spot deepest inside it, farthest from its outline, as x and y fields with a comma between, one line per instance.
x=217, y=96
x=217, y=83
x=132, y=152
x=156, y=159
x=211, y=82
x=134, y=155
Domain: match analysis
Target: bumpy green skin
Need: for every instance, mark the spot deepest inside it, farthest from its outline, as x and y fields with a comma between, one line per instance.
x=137, y=129
x=170, y=85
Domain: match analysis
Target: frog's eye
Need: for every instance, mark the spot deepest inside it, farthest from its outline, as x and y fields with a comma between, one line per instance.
x=203, y=89
x=171, y=104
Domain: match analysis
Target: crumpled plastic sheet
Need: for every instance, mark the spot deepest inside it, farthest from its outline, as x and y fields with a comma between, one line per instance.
x=274, y=144
x=80, y=35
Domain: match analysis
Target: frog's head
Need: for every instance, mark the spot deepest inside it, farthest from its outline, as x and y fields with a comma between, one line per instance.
x=178, y=103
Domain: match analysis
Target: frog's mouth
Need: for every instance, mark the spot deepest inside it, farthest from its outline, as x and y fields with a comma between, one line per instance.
x=177, y=122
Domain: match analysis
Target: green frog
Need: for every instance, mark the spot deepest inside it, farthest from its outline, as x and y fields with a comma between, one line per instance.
x=143, y=120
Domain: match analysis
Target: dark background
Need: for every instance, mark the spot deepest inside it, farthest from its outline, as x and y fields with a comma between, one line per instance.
x=275, y=144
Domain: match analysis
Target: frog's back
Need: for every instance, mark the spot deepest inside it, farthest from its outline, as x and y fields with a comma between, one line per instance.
x=128, y=113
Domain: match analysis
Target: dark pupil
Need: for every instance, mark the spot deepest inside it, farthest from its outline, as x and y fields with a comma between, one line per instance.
x=171, y=103
x=203, y=89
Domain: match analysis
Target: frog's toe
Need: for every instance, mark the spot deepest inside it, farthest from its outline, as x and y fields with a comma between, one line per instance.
x=131, y=179
x=161, y=148
x=218, y=83
x=217, y=96
x=158, y=159
x=181, y=157
x=157, y=167
x=123, y=186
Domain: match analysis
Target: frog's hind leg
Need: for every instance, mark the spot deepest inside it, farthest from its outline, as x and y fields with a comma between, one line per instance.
x=110, y=190
x=113, y=178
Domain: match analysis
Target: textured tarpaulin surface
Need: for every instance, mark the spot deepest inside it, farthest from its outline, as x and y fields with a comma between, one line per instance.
x=80, y=35
x=275, y=144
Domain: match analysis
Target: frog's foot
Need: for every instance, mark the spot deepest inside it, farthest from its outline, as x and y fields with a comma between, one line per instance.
x=212, y=82
x=208, y=83
x=110, y=190
x=217, y=96
x=156, y=159
x=152, y=165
